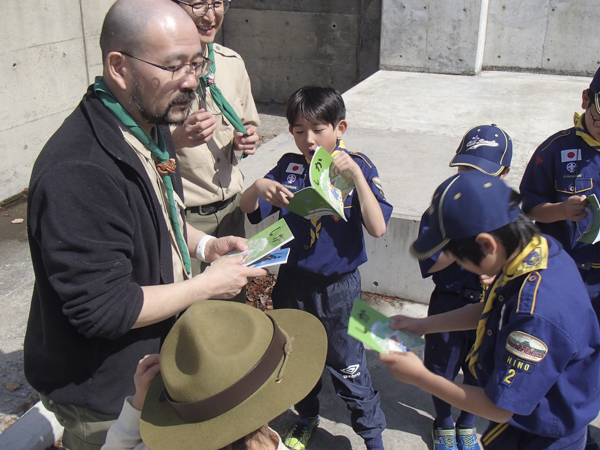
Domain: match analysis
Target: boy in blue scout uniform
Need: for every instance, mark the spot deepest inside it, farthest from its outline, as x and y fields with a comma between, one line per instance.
x=321, y=275
x=537, y=352
x=562, y=172
x=488, y=149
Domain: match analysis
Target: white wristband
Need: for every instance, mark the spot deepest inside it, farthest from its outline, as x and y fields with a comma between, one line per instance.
x=201, y=246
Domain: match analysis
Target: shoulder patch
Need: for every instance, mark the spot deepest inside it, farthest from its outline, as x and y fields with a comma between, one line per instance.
x=529, y=288
x=526, y=347
x=295, y=168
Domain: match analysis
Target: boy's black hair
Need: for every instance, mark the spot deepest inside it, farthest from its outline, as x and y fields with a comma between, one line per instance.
x=317, y=105
x=515, y=234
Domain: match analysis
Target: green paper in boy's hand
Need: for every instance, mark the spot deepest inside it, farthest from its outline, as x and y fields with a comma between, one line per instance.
x=373, y=329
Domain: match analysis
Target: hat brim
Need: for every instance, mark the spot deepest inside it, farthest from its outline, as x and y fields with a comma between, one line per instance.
x=161, y=428
x=475, y=162
x=428, y=244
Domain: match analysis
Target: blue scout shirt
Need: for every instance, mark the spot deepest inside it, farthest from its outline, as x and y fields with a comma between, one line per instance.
x=452, y=278
x=564, y=165
x=340, y=247
x=540, y=354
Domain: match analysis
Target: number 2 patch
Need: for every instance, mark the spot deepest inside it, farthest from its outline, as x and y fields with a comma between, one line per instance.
x=508, y=378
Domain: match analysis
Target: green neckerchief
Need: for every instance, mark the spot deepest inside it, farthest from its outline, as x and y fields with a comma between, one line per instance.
x=158, y=151
x=518, y=267
x=581, y=130
x=217, y=95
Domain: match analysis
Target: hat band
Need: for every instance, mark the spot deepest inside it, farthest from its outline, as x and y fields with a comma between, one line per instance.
x=229, y=398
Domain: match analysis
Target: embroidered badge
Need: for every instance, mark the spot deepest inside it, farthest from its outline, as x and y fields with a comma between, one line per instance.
x=573, y=154
x=291, y=179
x=295, y=168
x=477, y=142
x=533, y=258
x=526, y=347
x=210, y=78
x=572, y=167
x=519, y=364
x=377, y=182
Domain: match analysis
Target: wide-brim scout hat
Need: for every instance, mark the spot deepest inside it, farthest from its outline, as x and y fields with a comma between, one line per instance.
x=226, y=370
x=595, y=88
x=463, y=206
x=486, y=148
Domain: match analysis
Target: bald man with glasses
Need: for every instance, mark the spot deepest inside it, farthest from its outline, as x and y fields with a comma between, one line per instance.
x=109, y=242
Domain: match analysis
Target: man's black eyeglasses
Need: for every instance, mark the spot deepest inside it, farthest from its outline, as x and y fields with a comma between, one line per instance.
x=199, y=68
x=201, y=8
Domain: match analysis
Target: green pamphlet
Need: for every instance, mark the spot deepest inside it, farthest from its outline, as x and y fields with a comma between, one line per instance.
x=325, y=196
x=264, y=243
x=373, y=329
x=591, y=235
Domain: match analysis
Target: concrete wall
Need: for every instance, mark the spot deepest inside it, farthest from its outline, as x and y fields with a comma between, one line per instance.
x=466, y=36
x=48, y=60
x=287, y=44
x=50, y=57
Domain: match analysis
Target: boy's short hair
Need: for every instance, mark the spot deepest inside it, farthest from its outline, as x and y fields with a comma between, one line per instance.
x=486, y=148
x=316, y=105
x=464, y=206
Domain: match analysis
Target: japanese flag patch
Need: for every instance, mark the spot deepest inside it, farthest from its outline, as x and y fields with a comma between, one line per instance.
x=573, y=154
x=526, y=347
x=295, y=168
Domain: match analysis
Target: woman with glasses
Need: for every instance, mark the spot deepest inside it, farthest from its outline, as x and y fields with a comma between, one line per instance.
x=223, y=122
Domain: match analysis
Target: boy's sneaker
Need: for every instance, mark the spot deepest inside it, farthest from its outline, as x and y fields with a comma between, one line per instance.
x=466, y=439
x=444, y=439
x=297, y=438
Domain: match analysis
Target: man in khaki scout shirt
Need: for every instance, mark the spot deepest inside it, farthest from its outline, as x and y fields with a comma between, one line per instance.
x=207, y=142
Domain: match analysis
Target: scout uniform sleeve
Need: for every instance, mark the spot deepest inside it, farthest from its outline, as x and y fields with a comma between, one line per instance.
x=372, y=176
x=530, y=354
x=537, y=185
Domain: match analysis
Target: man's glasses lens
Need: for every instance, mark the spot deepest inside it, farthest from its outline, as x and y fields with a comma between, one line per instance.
x=201, y=8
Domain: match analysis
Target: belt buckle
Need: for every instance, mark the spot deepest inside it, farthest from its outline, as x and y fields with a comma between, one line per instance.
x=585, y=266
x=208, y=209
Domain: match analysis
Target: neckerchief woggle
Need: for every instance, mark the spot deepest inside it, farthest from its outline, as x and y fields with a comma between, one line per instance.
x=158, y=151
x=209, y=81
x=519, y=266
x=581, y=131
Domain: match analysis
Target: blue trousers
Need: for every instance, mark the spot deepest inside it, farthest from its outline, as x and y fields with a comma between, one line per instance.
x=330, y=299
x=445, y=353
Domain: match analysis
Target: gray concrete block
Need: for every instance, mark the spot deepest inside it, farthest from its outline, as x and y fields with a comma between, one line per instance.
x=308, y=6
x=60, y=74
x=572, y=45
x=36, y=430
x=515, y=33
x=430, y=36
x=20, y=146
x=26, y=25
x=285, y=50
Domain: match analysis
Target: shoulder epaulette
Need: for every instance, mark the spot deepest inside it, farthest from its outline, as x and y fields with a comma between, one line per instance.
x=363, y=157
x=561, y=134
x=225, y=51
x=528, y=293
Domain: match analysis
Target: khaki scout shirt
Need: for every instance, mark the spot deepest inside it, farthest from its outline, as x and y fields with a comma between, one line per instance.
x=145, y=155
x=210, y=171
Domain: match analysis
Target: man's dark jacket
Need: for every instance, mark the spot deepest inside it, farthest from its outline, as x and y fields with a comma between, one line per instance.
x=96, y=234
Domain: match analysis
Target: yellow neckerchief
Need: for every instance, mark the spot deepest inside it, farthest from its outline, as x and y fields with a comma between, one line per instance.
x=581, y=131
x=525, y=262
x=316, y=221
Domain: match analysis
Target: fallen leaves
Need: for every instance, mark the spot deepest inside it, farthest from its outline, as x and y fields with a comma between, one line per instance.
x=259, y=290
x=10, y=387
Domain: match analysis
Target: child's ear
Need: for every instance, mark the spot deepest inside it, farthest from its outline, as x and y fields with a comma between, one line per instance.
x=504, y=172
x=487, y=243
x=341, y=127
x=585, y=99
x=290, y=128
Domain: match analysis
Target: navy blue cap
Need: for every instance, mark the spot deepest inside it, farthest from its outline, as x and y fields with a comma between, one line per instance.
x=463, y=206
x=486, y=148
x=595, y=87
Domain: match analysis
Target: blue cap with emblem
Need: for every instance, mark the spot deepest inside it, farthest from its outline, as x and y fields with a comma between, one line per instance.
x=463, y=206
x=486, y=148
x=595, y=88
